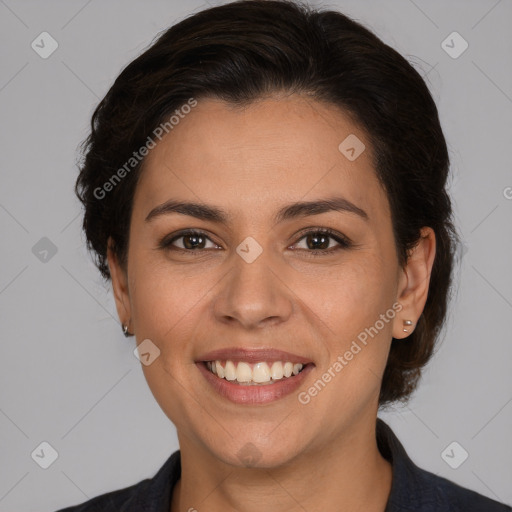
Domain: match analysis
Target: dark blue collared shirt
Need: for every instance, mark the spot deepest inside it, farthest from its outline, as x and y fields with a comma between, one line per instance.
x=413, y=489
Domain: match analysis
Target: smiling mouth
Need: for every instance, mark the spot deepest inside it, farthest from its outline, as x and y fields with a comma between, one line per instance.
x=254, y=374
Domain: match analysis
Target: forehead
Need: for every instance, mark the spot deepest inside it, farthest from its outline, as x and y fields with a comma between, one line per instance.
x=274, y=150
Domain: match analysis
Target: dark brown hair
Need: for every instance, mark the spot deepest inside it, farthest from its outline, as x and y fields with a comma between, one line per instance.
x=241, y=51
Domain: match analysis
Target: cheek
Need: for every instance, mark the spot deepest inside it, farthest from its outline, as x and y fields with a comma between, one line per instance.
x=351, y=296
x=170, y=307
x=164, y=301
x=351, y=304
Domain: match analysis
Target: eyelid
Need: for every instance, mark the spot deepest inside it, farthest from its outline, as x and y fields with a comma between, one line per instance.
x=167, y=240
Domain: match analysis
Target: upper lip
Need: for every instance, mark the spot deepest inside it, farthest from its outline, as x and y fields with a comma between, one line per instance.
x=252, y=355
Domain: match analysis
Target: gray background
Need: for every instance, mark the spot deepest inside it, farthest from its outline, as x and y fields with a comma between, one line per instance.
x=67, y=374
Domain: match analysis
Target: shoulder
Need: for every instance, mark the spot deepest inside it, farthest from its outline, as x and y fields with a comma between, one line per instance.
x=443, y=494
x=121, y=499
x=151, y=494
x=414, y=488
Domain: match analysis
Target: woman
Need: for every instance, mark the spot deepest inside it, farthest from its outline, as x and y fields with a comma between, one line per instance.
x=265, y=186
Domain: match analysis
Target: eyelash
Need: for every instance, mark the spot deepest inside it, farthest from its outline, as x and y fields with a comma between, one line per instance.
x=343, y=241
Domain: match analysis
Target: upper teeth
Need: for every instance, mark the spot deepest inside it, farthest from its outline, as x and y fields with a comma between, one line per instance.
x=258, y=373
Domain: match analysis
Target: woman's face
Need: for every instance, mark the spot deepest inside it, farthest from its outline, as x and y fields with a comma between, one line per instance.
x=259, y=280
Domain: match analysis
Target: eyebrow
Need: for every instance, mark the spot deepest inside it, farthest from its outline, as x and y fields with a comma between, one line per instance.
x=290, y=211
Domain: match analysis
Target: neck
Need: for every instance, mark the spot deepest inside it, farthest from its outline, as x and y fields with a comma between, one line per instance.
x=348, y=475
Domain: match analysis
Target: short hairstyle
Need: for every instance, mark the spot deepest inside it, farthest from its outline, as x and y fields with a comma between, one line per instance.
x=245, y=50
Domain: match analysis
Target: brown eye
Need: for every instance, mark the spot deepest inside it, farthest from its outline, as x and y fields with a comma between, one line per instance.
x=188, y=241
x=193, y=241
x=319, y=242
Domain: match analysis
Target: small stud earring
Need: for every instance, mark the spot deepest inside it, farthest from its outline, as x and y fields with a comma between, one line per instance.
x=408, y=323
x=125, y=330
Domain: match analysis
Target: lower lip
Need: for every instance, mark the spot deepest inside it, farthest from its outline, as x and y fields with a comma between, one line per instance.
x=257, y=394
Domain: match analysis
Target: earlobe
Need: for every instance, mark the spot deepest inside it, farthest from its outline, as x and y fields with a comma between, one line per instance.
x=414, y=283
x=119, y=285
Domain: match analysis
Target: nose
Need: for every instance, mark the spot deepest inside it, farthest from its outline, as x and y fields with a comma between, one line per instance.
x=254, y=295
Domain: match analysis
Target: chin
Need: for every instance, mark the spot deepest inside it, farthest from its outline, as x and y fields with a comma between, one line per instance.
x=253, y=455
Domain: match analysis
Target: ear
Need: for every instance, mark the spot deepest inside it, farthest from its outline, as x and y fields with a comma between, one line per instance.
x=414, y=282
x=119, y=285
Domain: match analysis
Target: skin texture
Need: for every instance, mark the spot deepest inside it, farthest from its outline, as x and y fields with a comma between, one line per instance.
x=250, y=162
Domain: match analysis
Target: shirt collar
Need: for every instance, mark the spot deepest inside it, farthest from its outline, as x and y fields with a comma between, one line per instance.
x=409, y=488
